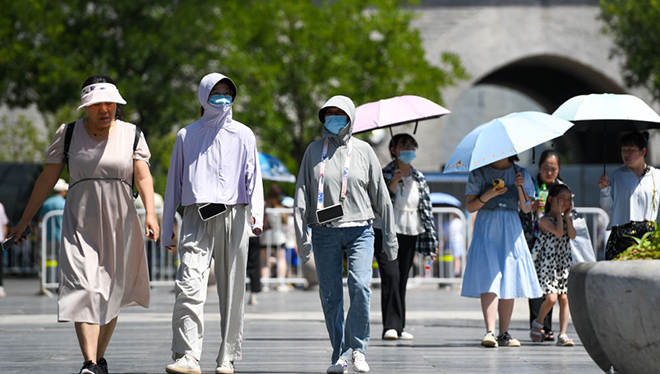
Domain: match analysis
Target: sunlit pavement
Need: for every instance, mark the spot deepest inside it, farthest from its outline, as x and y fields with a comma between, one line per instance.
x=284, y=333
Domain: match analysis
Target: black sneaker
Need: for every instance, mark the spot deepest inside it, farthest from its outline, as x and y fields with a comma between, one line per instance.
x=103, y=365
x=505, y=340
x=90, y=368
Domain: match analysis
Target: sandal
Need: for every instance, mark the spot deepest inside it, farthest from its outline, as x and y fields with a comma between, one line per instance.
x=549, y=336
x=564, y=341
x=537, y=334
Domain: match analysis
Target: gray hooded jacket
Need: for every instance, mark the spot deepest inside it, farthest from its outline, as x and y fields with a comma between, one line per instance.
x=366, y=190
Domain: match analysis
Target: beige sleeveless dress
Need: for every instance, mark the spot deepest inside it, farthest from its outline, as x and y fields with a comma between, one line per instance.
x=103, y=265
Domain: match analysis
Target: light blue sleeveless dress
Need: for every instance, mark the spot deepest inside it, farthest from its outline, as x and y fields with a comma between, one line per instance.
x=499, y=260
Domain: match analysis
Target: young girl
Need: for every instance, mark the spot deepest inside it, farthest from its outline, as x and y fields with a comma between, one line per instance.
x=499, y=266
x=552, y=258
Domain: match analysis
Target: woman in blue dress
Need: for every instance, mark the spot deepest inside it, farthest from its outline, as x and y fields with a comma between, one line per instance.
x=499, y=267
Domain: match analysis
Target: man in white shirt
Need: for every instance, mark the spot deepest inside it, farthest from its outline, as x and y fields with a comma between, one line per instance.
x=215, y=174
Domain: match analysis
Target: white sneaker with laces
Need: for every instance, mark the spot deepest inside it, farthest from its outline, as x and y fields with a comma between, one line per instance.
x=340, y=367
x=184, y=365
x=360, y=362
x=225, y=368
x=391, y=334
x=406, y=336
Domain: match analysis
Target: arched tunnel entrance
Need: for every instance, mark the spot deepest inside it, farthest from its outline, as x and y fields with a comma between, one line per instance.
x=550, y=81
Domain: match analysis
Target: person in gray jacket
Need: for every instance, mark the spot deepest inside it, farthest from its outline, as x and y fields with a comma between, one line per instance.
x=340, y=186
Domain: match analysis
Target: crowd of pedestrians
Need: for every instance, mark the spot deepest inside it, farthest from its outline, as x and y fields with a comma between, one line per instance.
x=347, y=208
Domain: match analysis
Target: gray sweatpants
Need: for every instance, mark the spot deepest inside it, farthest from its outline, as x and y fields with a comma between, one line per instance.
x=224, y=238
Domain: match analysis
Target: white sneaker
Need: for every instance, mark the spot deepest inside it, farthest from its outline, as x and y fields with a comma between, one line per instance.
x=2, y=292
x=391, y=334
x=283, y=288
x=340, y=367
x=184, y=365
x=360, y=362
x=489, y=340
x=406, y=336
x=225, y=368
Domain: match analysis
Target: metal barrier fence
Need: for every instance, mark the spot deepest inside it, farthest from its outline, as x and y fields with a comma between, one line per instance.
x=163, y=263
x=445, y=270
x=597, y=220
x=278, y=251
x=441, y=271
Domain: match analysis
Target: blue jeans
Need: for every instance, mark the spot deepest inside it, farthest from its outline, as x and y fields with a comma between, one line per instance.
x=328, y=245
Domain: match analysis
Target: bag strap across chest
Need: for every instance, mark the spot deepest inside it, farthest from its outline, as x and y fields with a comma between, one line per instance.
x=67, y=144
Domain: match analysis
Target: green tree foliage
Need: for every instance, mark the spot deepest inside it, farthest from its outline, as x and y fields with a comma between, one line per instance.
x=21, y=141
x=300, y=54
x=286, y=56
x=154, y=50
x=635, y=27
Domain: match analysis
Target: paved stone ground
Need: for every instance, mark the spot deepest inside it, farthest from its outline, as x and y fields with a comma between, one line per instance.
x=285, y=333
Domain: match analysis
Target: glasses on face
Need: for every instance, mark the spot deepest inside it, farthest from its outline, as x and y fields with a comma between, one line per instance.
x=219, y=91
x=548, y=169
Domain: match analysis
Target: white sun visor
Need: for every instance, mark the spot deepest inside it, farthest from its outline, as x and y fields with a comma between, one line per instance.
x=100, y=93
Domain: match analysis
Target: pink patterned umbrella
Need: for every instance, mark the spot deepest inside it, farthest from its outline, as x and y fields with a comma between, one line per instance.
x=395, y=111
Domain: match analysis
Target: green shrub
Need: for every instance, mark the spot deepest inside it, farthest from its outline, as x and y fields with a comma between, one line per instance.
x=646, y=248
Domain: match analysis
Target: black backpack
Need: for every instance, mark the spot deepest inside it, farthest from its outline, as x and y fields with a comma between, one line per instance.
x=67, y=144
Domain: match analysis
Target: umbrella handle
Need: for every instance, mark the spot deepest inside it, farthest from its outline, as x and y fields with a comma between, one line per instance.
x=515, y=169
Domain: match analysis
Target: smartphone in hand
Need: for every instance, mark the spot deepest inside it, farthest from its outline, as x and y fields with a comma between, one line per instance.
x=498, y=183
x=9, y=242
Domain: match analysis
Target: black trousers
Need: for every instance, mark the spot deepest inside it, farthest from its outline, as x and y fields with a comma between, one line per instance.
x=254, y=264
x=394, y=277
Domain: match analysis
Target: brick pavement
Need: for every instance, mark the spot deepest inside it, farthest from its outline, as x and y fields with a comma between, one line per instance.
x=285, y=333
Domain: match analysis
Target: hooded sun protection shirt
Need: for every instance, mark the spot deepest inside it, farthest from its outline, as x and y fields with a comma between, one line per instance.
x=366, y=190
x=214, y=160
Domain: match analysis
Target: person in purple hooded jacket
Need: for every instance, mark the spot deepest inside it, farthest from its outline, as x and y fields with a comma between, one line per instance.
x=215, y=175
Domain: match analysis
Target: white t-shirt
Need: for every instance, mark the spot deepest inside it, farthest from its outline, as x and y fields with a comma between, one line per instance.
x=406, y=208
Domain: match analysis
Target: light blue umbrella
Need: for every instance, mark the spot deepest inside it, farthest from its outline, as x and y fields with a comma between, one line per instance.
x=504, y=137
x=274, y=170
x=438, y=198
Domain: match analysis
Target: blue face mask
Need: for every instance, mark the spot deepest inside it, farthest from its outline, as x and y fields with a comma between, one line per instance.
x=407, y=156
x=334, y=124
x=220, y=99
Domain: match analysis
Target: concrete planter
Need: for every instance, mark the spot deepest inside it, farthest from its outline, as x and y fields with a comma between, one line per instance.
x=615, y=307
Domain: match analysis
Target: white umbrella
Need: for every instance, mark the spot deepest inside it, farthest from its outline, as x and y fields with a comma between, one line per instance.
x=608, y=112
x=504, y=137
x=626, y=112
